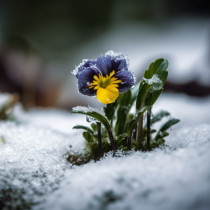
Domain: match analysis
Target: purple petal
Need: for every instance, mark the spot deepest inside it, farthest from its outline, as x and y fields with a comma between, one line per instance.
x=127, y=80
x=84, y=80
x=85, y=65
x=107, y=63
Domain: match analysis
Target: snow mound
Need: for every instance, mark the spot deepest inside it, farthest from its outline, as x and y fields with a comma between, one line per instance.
x=32, y=163
x=177, y=177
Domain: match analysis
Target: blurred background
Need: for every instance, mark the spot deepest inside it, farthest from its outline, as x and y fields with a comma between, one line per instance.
x=42, y=41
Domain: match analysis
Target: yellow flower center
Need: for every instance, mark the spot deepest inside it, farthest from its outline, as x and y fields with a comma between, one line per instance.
x=106, y=87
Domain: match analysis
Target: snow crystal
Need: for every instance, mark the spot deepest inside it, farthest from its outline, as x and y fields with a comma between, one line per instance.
x=117, y=56
x=154, y=80
x=75, y=71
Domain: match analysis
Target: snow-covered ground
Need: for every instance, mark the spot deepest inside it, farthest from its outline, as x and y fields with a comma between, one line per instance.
x=34, y=173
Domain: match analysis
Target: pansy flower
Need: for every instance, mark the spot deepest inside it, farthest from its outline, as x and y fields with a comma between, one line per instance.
x=106, y=77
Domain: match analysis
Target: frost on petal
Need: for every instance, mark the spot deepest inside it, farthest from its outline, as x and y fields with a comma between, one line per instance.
x=75, y=71
x=117, y=56
x=111, y=61
x=82, y=66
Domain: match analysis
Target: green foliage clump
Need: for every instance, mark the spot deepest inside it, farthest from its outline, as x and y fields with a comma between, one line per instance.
x=121, y=129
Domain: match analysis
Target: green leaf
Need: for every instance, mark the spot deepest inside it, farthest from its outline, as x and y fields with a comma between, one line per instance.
x=157, y=143
x=164, y=134
x=165, y=127
x=168, y=124
x=84, y=128
x=149, y=87
x=94, y=126
x=143, y=91
x=87, y=137
x=158, y=67
x=99, y=117
x=122, y=112
x=152, y=97
x=152, y=84
x=92, y=113
x=157, y=117
x=125, y=98
x=134, y=92
x=109, y=110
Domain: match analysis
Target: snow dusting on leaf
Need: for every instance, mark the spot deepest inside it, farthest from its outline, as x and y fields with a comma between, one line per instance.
x=85, y=109
x=154, y=79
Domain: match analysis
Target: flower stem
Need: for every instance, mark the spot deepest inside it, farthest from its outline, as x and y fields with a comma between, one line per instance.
x=132, y=136
x=129, y=142
x=135, y=132
x=100, y=149
x=111, y=139
x=140, y=133
x=148, y=128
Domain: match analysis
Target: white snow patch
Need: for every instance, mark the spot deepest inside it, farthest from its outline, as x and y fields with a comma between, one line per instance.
x=157, y=83
x=117, y=56
x=32, y=163
x=177, y=177
x=190, y=110
x=58, y=120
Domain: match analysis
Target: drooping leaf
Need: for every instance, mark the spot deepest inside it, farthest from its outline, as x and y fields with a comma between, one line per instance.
x=88, y=111
x=87, y=136
x=157, y=143
x=94, y=126
x=145, y=131
x=157, y=117
x=164, y=134
x=166, y=126
x=84, y=128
